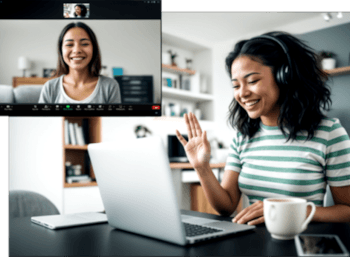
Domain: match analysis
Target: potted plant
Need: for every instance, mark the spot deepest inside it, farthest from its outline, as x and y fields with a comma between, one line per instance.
x=172, y=56
x=328, y=61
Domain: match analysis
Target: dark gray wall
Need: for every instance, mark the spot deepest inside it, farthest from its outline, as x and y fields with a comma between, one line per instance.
x=337, y=40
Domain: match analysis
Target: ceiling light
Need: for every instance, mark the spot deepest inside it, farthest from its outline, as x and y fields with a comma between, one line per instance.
x=339, y=15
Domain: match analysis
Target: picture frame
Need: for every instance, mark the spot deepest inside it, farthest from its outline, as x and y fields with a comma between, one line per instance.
x=48, y=73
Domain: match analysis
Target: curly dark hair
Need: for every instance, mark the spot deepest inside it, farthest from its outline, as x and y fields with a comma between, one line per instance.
x=95, y=63
x=83, y=10
x=305, y=97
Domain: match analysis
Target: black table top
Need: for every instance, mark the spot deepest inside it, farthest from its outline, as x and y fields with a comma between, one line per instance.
x=29, y=239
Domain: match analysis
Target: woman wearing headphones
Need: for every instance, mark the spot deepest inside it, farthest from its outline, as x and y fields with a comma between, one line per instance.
x=283, y=144
x=80, y=11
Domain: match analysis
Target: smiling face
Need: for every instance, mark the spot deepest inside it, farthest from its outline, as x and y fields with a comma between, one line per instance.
x=255, y=89
x=77, y=10
x=77, y=49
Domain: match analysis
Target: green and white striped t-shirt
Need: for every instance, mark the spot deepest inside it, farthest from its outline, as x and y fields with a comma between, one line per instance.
x=271, y=167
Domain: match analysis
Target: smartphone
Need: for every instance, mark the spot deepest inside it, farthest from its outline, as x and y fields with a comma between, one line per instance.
x=319, y=245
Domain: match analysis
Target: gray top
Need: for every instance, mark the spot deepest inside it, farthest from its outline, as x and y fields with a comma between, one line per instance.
x=107, y=91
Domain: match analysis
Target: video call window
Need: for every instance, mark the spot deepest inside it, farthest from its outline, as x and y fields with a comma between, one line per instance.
x=76, y=10
x=96, y=58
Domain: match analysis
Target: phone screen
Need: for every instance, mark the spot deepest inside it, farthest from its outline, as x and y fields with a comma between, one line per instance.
x=320, y=245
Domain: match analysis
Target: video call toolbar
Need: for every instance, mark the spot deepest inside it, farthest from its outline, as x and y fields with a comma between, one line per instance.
x=80, y=110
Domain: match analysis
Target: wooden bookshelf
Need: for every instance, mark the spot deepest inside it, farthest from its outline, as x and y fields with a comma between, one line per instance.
x=175, y=69
x=77, y=154
x=18, y=81
x=80, y=184
x=76, y=147
x=339, y=71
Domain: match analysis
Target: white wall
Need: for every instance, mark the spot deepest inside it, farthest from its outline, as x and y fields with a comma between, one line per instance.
x=120, y=128
x=133, y=45
x=36, y=156
x=203, y=64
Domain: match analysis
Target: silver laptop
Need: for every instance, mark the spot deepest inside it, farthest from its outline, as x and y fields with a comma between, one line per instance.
x=69, y=220
x=135, y=182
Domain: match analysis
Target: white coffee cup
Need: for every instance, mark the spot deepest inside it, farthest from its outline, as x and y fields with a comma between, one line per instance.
x=286, y=217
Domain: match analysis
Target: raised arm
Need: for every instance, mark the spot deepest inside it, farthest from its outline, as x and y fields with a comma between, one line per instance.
x=223, y=198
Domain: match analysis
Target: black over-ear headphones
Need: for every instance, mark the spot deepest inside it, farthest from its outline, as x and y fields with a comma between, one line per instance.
x=284, y=73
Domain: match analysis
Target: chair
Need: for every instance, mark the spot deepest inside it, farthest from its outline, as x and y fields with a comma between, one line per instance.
x=27, y=204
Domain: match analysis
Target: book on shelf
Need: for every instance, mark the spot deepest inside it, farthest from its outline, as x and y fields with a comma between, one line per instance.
x=80, y=179
x=87, y=163
x=73, y=180
x=176, y=83
x=185, y=83
x=171, y=82
x=66, y=133
x=79, y=134
x=75, y=134
x=72, y=135
x=83, y=176
x=85, y=127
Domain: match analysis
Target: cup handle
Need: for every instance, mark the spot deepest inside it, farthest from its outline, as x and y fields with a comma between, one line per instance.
x=311, y=215
x=272, y=212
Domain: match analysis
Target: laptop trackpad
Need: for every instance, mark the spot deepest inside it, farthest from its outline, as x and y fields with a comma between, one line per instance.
x=226, y=225
x=229, y=226
x=196, y=220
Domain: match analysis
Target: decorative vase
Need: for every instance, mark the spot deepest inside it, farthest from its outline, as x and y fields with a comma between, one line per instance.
x=328, y=63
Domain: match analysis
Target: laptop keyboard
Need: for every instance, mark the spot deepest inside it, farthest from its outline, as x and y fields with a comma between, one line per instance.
x=197, y=230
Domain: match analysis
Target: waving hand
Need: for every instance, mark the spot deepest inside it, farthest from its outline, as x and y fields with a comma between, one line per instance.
x=197, y=148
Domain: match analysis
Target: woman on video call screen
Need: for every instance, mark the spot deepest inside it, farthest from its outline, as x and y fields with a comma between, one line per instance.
x=77, y=79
